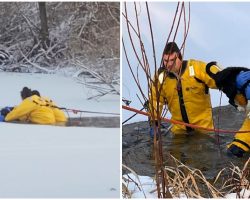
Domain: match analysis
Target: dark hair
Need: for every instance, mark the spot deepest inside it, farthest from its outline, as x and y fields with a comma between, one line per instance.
x=26, y=92
x=35, y=92
x=172, y=47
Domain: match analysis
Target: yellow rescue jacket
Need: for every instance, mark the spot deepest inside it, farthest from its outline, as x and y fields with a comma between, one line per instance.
x=242, y=140
x=59, y=114
x=195, y=95
x=32, y=109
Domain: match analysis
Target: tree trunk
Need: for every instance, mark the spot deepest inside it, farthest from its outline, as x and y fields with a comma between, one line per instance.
x=44, y=33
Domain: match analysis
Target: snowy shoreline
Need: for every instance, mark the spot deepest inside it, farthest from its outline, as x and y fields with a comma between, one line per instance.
x=42, y=161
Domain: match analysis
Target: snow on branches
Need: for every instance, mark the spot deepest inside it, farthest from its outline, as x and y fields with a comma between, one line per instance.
x=46, y=37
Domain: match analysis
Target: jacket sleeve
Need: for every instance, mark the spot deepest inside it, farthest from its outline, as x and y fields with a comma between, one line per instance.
x=203, y=76
x=153, y=96
x=21, y=110
x=247, y=92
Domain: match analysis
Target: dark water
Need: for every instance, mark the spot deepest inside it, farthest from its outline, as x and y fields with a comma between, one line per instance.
x=202, y=151
x=206, y=152
x=101, y=122
x=98, y=122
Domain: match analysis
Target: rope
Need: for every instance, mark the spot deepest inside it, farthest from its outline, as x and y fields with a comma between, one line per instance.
x=131, y=117
x=75, y=111
x=183, y=123
x=218, y=122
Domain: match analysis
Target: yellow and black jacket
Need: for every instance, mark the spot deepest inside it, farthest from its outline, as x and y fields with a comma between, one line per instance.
x=32, y=109
x=188, y=99
x=59, y=114
x=242, y=140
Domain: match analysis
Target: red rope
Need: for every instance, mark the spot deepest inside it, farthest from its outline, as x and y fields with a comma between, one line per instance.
x=183, y=123
x=75, y=111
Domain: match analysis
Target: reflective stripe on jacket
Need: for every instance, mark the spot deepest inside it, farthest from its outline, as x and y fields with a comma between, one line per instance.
x=32, y=109
x=196, y=98
x=242, y=140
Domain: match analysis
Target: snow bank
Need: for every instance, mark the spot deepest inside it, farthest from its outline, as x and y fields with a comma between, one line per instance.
x=58, y=162
x=39, y=161
x=141, y=187
x=244, y=194
x=145, y=187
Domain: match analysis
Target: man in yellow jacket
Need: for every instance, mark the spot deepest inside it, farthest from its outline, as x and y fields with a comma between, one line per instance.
x=241, y=142
x=31, y=109
x=59, y=114
x=235, y=83
x=183, y=85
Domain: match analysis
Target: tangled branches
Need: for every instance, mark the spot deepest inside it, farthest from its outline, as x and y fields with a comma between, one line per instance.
x=148, y=68
x=186, y=182
x=77, y=30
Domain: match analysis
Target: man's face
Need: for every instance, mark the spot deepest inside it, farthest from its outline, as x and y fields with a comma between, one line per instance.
x=171, y=62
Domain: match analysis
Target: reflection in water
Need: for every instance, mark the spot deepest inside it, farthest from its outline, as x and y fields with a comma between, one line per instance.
x=201, y=151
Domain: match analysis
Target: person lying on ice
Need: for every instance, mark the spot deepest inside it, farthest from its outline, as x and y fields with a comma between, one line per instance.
x=184, y=89
x=59, y=114
x=32, y=109
x=234, y=82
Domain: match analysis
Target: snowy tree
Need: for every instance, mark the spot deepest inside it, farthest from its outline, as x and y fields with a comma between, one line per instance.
x=47, y=37
x=44, y=34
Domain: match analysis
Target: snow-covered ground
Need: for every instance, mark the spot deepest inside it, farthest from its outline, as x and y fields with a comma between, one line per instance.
x=40, y=161
x=145, y=187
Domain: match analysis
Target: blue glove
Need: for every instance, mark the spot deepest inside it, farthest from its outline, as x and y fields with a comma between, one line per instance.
x=247, y=92
x=1, y=118
x=242, y=78
x=151, y=132
x=6, y=110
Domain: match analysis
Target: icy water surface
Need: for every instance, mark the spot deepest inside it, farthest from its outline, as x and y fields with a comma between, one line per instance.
x=203, y=151
x=101, y=122
x=98, y=122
